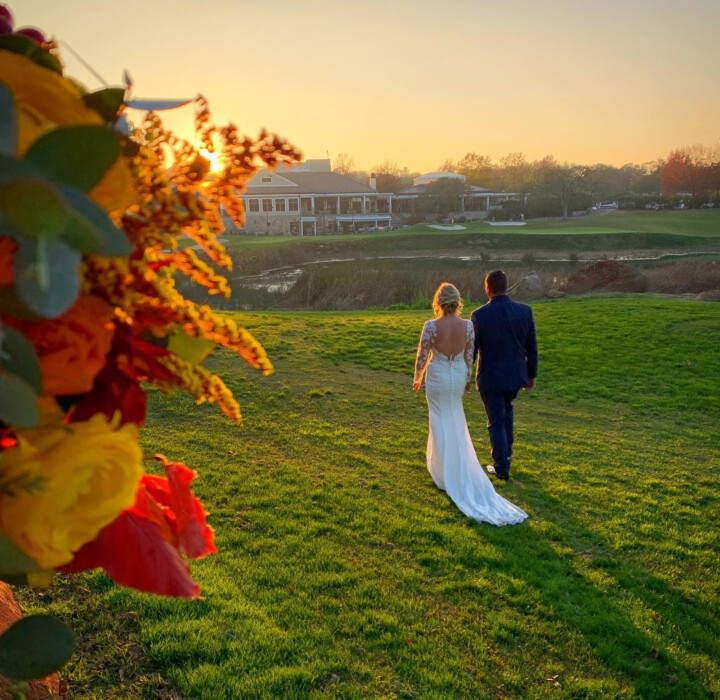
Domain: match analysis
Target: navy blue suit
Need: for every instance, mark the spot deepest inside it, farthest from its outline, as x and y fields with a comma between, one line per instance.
x=506, y=344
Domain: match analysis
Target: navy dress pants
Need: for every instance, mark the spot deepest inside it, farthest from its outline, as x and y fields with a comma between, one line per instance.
x=499, y=409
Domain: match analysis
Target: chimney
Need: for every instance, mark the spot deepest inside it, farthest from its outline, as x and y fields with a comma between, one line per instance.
x=373, y=181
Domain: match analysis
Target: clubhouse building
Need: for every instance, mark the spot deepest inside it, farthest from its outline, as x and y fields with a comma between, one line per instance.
x=310, y=199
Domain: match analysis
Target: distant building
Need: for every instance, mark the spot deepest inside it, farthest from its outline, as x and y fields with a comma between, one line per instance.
x=475, y=203
x=309, y=198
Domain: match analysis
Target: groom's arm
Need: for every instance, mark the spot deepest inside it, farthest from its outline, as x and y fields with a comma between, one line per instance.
x=531, y=350
x=476, y=328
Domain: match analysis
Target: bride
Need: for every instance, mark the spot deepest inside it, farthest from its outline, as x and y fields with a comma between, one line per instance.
x=445, y=356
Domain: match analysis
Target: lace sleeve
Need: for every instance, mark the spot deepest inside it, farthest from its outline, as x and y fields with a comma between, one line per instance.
x=470, y=350
x=423, y=351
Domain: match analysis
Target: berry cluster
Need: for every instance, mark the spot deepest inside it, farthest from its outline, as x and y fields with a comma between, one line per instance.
x=7, y=27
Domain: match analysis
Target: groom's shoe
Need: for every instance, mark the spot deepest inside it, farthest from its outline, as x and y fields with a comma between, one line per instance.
x=491, y=470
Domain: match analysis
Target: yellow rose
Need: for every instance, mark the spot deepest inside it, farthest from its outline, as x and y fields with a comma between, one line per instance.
x=46, y=100
x=87, y=473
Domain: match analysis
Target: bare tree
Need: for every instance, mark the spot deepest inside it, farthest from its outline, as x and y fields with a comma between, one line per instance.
x=344, y=164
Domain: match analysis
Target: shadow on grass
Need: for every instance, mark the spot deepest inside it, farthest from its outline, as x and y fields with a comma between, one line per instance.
x=611, y=634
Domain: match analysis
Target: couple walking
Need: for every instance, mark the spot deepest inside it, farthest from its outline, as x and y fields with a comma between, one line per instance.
x=501, y=335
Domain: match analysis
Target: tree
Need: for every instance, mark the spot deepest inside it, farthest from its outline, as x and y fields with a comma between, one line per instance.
x=515, y=174
x=344, y=164
x=689, y=170
x=442, y=196
x=391, y=177
x=477, y=169
x=560, y=181
x=447, y=167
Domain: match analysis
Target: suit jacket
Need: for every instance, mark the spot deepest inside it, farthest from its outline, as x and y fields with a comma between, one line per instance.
x=506, y=343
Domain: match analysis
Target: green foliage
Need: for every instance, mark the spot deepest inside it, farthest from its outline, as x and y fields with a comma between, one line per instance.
x=17, y=43
x=18, y=402
x=90, y=229
x=8, y=122
x=18, y=357
x=46, y=276
x=32, y=208
x=343, y=571
x=34, y=647
x=53, y=221
x=78, y=156
x=106, y=102
x=13, y=561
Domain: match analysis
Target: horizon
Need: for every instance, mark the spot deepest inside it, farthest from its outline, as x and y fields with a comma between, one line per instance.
x=407, y=83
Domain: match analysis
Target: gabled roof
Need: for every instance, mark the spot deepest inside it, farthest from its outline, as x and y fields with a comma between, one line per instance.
x=311, y=183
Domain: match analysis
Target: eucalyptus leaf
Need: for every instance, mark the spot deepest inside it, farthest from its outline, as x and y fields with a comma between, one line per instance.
x=75, y=155
x=92, y=226
x=17, y=43
x=32, y=208
x=12, y=169
x=18, y=402
x=34, y=647
x=46, y=276
x=18, y=357
x=13, y=561
x=8, y=121
x=106, y=102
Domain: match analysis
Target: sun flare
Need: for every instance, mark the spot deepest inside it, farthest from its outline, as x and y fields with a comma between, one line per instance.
x=214, y=158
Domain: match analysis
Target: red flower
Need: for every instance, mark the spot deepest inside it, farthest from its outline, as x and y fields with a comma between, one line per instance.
x=141, y=548
x=184, y=512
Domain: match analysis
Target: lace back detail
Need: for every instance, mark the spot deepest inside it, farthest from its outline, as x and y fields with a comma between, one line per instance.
x=426, y=349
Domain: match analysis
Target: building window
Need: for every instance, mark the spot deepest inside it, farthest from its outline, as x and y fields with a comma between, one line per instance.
x=279, y=205
x=267, y=205
x=267, y=179
x=292, y=205
x=294, y=227
x=253, y=205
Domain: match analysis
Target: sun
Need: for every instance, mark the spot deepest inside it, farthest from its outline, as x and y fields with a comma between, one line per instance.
x=214, y=159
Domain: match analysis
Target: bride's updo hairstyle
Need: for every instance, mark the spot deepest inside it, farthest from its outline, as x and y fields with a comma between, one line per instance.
x=447, y=301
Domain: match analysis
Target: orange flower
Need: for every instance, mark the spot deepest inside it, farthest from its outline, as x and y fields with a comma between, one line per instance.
x=7, y=249
x=46, y=100
x=73, y=348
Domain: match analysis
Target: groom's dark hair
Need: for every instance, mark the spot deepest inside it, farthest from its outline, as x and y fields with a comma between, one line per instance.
x=496, y=282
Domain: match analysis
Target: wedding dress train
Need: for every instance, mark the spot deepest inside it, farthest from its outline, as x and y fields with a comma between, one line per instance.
x=451, y=458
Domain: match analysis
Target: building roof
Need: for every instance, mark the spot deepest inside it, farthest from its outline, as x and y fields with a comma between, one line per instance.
x=417, y=190
x=311, y=183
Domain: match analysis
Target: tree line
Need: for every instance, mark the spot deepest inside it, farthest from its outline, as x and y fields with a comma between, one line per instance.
x=690, y=174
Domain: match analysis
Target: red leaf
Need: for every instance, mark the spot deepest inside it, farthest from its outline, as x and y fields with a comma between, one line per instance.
x=133, y=553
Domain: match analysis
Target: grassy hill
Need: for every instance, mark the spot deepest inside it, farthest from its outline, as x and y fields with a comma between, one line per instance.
x=343, y=572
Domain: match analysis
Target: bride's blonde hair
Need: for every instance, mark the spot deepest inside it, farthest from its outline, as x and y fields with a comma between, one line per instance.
x=447, y=300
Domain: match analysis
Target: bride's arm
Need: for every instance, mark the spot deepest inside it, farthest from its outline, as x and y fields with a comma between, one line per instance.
x=469, y=353
x=423, y=353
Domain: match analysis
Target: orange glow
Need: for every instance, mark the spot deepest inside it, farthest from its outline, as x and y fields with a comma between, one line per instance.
x=214, y=158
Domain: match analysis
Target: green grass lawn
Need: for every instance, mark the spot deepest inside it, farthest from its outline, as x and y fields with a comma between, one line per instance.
x=343, y=572
x=664, y=225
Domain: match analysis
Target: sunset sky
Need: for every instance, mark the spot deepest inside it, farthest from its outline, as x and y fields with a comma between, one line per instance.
x=417, y=81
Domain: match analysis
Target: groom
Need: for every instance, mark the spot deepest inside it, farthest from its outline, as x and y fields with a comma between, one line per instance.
x=507, y=348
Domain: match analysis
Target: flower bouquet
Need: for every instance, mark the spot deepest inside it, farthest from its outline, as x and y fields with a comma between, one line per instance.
x=93, y=221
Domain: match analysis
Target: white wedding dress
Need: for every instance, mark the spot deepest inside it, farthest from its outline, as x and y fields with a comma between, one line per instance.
x=451, y=458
